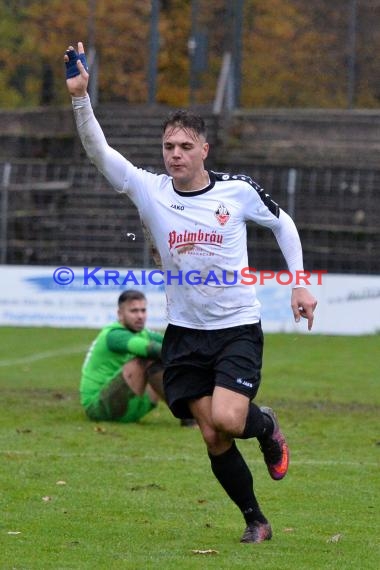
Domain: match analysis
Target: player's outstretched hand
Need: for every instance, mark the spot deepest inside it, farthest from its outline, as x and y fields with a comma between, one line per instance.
x=76, y=71
x=303, y=305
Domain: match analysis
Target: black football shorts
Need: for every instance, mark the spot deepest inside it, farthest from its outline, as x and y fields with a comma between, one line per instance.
x=195, y=361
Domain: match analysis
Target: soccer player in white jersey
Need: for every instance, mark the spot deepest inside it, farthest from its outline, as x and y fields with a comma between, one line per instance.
x=213, y=344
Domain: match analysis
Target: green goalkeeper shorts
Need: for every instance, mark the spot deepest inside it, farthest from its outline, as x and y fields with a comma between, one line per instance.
x=118, y=403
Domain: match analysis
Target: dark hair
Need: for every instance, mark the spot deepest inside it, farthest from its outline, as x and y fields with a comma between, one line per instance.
x=131, y=295
x=184, y=119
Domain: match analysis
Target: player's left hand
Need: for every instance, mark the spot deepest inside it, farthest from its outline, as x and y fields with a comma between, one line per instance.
x=76, y=71
x=303, y=305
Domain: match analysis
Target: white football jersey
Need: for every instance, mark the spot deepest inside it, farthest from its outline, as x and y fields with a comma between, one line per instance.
x=200, y=236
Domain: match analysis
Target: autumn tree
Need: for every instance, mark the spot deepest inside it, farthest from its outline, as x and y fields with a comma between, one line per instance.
x=16, y=69
x=294, y=52
x=120, y=37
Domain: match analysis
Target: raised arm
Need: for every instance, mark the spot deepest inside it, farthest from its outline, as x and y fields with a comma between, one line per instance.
x=108, y=161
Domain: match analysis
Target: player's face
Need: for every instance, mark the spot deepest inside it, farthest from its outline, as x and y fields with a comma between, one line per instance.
x=184, y=153
x=132, y=315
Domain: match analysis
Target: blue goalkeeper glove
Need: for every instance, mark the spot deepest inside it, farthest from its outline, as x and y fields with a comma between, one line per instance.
x=71, y=65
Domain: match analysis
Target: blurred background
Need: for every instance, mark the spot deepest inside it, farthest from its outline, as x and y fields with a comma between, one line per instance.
x=285, y=53
x=290, y=90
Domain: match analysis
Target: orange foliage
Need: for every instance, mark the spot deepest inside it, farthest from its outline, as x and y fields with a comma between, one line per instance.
x=294, y=52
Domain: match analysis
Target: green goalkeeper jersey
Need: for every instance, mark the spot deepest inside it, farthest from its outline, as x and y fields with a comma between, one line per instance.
x=114, y=346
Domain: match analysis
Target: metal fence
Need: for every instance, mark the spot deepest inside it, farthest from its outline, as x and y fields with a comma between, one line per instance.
x=337, y=212
x=66, y=214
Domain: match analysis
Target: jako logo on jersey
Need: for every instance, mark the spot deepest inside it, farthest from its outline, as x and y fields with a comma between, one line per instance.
x=191, y=238
x=244, y=382
x=177, y=207
x=222, y=214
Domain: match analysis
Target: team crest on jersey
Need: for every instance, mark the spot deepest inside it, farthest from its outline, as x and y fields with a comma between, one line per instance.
x=222, y=214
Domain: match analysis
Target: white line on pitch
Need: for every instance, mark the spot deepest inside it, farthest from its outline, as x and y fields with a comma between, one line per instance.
x=43, y=355
x=105, y=457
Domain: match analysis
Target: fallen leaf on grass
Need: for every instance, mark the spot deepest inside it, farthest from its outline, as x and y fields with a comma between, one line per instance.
x=61, y=483
x=288, y=529
x=58, y=396
x=99, y=429
x=209, y=551
x=46, y=499
x=335, y=538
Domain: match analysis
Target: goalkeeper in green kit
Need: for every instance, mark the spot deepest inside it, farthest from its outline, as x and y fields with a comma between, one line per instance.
x=122, y=372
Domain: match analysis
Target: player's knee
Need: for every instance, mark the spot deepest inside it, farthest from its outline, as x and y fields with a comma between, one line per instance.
x=134, y=375
x=132, y=367
x=216, y=441
x=228, y=421
x=210, y=436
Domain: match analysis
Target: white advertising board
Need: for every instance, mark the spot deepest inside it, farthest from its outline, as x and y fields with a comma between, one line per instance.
x=31, y=296
x=347, y=305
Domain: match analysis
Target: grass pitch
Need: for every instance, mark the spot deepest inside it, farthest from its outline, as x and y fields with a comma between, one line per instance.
x=78, y=495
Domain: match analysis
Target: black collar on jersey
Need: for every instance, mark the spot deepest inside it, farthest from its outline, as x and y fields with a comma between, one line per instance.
x=198, y=192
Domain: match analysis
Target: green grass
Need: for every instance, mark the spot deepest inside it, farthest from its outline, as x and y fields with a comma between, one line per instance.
x=142, y=496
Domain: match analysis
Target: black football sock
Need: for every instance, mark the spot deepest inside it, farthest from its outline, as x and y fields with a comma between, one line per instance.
x=233, y=474
x=257, y=424
x=268, y=430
